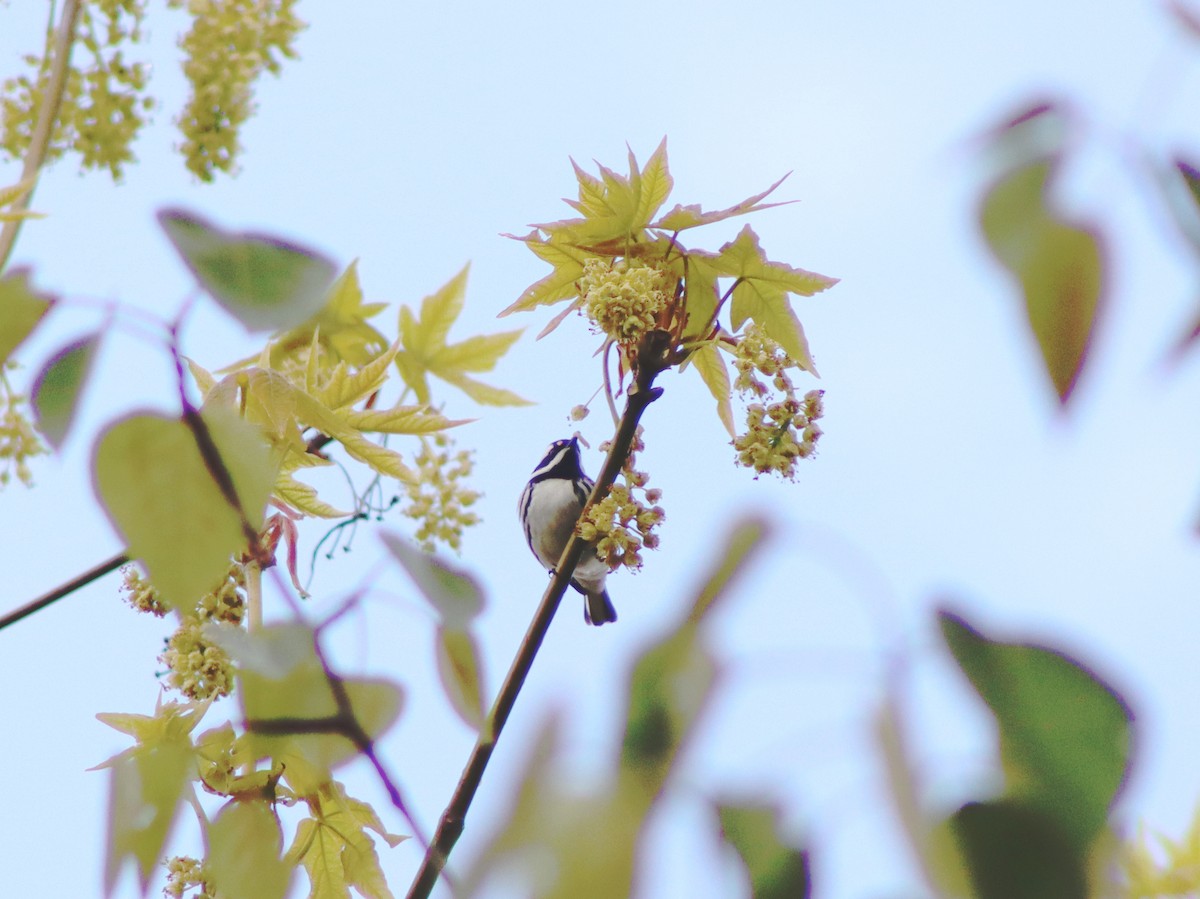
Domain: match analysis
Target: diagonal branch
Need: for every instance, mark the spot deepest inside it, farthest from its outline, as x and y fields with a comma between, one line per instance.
x=58, y=593
x=652, y=359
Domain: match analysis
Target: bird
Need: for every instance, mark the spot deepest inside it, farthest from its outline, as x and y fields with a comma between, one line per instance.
x=549, y=507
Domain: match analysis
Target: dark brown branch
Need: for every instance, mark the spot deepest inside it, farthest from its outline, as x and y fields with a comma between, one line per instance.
x=652, y=359
x=59, y=592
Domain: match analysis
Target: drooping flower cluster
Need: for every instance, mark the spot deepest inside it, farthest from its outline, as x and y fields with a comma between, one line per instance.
x=103, y=105
x=439, y=499
x=624, y=298
x=780, y=428
x=230, y=44
x=19, y=442
x=622, y=523
x=196, y=667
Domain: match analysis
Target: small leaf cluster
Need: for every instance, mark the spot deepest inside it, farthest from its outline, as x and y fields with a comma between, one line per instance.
x=623, y=264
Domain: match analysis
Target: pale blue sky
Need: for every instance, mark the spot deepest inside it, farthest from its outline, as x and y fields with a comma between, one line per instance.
x=411, y=136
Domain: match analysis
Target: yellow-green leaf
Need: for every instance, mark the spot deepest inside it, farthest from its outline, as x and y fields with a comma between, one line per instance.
x=715, y=374
x=347, y=387
x=21, y=309
x=485, y=394
x=744, y=259
x=559, y=284
x=303, y=497
x=459, y=669
x=656, y=184
x=682, y=217
x=160, y=495
x=771, y=308
x=336, y=850
x=400, y=420
x=57, y=388
x=479, y=353
x=244, y=844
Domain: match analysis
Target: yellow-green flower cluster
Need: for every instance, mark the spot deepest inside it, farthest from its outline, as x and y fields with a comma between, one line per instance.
x=780, y=428
x=621, y=523
x=439, y=500
x=624, y=298
x=230, y=44
x=140, y=593
x=779, y=434
x=185, y=873
x=19, y=442
x=103, y=104
x=196, y=667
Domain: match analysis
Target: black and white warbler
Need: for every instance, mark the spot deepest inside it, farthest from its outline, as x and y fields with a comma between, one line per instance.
x=549, y=507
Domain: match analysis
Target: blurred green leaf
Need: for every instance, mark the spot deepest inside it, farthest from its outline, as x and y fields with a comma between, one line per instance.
x=266, y=283
x=1013, y=850
x=777, y=870
x=1059, y=266
x=453, y=592
x=159, y=494
x=243, y=858
x=147, y=786
x=460, y=670
x=21, y=309
x=1065, y=735
x=57, y=388
x=287, y=697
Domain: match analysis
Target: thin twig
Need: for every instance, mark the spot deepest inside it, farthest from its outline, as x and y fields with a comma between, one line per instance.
x=52, y=89
x=59, y=592
x=652, y=358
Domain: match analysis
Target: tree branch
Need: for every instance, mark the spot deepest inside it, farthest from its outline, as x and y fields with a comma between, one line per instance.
x=59, y=592
x=652, y=359
x=39, y=142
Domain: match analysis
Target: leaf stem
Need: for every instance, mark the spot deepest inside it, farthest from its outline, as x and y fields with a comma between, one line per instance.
x=52, y=89
x=652, y=358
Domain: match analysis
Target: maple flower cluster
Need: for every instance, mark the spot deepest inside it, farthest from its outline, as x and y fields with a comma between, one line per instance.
x=625, y=298
x=185, y=873
x=19, y=442
x=103, y=106
x=622, y=523
x=780, y=428
x=198, y=668
x=229, y=45
x=438, y=499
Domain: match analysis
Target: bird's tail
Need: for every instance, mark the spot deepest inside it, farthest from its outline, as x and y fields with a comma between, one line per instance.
x=598, y=609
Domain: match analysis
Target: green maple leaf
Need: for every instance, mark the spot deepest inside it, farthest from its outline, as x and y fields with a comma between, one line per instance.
x=761, y=292
x=425, y=351
x=341, y=325
x=616, y=207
